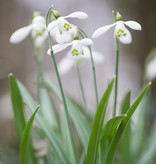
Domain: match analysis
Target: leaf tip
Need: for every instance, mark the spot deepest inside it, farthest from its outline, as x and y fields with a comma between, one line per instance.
x=10, y=75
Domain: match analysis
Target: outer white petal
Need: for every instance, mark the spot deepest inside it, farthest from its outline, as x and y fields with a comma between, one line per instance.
x=65, y=65
x=98, y=57
x=39, y=19
x=59, y=47
x=78, y=14
x=52, y=25
x=126, y=39
x=151, y=70
x=86, y=42
x=40, y=39
x=102, y=30
x=133, y=25
x=20, y=34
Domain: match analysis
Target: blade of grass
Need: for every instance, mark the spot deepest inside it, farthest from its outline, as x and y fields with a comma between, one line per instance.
x=97, y=126
x=25, y=148
x=116, y=138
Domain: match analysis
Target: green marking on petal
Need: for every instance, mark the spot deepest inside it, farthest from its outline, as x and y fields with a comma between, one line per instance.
x=120, y=30
x=67, y=26
x=75, y=52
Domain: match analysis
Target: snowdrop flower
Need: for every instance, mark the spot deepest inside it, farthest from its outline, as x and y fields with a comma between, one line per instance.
x=77, y=47
x=151, y=69
x=37, y=28
x=120, y=32
x=70, y=61
x=63, y=28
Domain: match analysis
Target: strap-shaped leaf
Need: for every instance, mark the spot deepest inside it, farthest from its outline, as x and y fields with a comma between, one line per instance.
x=17, y=105
x=108, y=134
x=80, y=123
x=97, y=126
x=125, y=143
x=53, y=138
x=25, y=143
x=116, y=138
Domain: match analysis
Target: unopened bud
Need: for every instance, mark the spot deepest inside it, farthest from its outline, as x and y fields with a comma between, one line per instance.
x=56, y=14
x=118, y=17
x=76, y=37
x=35, y=14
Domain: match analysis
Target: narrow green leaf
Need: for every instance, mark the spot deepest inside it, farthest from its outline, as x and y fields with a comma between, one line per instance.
x=125, y=143
x=79, y=121
x=25, y=143
x=17, y=105
x=51, y=135
x=97, y=126
x=114, y=143
x=149, y=152
x=125, y=103
x=108, y=134
x=66, y=139
x=47, y=108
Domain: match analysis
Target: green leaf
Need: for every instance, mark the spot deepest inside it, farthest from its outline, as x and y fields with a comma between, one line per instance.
x=66, y=136
x=149, y=152
x=79, y=121
x=114, y=143
x=125, y=144
x=108, y=134
x=47, y=108
x=25, y=143
x=125, y=103
x=17, y=105
x=97, y=126
x=51, y=135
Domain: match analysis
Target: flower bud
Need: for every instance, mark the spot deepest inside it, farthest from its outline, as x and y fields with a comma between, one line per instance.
x=118, y=17
x=75, y=36
x=35, y=14
x=56, y=14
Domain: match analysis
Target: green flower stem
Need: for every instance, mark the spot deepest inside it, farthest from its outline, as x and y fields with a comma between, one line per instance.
x=81, y=86
x=116, y=73
x=83, y=34
x=63, y=98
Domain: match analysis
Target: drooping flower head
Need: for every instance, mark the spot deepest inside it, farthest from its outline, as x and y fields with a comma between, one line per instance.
x=70, y=61
x=37, y=29
x=61, y=29
x=120, y=31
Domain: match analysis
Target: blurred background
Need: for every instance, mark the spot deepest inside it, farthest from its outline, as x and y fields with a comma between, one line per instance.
x=18, y=58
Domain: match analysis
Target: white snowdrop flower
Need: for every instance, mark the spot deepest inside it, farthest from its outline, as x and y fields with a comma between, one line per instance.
x=37, y=28
x=63, y=29
x=70, y=61
x=151, y=69
x=120, y=32
x=77, y=46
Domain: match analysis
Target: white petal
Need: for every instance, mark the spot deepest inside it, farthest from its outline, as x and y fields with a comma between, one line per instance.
x=40, y=39
x=58, y=47
x=133, y=25
x=98, y=57
x=126, y=39
x=52, y=25
x=65, y=65
x=102, y=30
x=86, y=42
x=78, y=14
x=20, y=34
x=39, y=19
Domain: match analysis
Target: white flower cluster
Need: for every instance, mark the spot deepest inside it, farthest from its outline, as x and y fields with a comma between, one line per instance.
x=63, y=31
